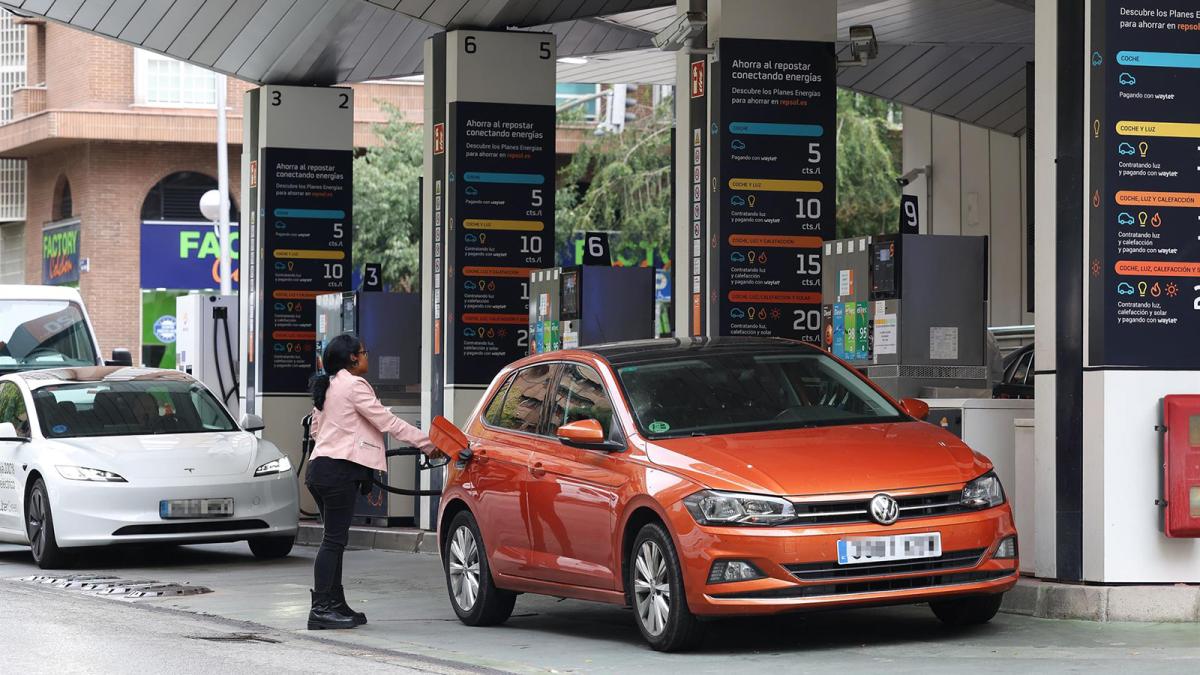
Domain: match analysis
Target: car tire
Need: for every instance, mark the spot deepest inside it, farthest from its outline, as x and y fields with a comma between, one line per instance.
x=473, y=593
x=971, y=611
x=654, y=580
x=39, y=526
x=269, y=548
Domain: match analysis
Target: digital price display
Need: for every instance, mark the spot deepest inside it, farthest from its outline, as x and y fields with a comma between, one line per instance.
x=1143, y=268
x=775, y=185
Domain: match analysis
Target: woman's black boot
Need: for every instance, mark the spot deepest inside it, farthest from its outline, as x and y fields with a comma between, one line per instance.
x=338, y=596
x=325, y=615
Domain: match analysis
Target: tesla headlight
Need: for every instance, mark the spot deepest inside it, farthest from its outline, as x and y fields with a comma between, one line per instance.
x=711, y=507
x=274, y=466
x=84, y=473
x=983, y=492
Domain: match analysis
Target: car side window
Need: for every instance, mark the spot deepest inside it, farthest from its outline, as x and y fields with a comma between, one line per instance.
x=1021, y=371
x=581, y=396
x=524, y=401
x=492, y=414
x=12, y=408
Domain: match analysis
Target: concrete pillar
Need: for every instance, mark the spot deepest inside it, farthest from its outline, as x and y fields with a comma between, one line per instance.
x=764, y=186
x=488, y=211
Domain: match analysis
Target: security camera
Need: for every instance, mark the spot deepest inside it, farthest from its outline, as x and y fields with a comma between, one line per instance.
x=912, y=174
x=863, y=46
x=680, y=33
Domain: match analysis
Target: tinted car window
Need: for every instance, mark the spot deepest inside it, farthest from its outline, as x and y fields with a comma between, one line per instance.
x=492, y=414
x=43, y=334
x=12, y=408
x=522, y=407
x=736, y=393
x=581, y=396
x=129, y=409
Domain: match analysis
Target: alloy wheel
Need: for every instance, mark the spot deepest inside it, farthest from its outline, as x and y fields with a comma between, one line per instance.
x=464, y=568
x=37, y=524
x=651, y=588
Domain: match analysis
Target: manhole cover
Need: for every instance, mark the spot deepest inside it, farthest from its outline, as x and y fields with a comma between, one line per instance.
x=234, y=637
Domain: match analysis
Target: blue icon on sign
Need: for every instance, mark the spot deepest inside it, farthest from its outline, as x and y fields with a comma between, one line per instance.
x=279, y=347
x=737, y=200
x=470, y=285
x=736, y=313
x=1097, y=59
x=1124, y=219
x=280, y=225
x=737, y=256
x=279, y=307
x=280, y=266
x=737, y=144
x=471, y=239
x=471, y=191
x=1126, y=79
x=469, y=332
x=714, y=128
x=1126, y=149
x=1124, y=288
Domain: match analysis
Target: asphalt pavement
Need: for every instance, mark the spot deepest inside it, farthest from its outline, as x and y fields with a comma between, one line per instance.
x=47, y=629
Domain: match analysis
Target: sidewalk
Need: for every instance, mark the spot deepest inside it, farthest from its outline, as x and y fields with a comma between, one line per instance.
x=1032, y=597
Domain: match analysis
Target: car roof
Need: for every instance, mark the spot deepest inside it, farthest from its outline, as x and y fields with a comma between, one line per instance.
x=619, y=354
x=29, y=292
x=93, y=374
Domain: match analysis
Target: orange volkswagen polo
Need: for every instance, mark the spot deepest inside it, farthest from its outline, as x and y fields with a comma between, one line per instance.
x=694, y=479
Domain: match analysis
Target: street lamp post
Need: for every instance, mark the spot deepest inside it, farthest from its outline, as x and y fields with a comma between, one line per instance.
x=215, y=207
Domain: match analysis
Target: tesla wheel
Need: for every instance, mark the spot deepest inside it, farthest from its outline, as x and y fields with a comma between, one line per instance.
x=39, y=525
x=473, y=593
x=967, y=611
x=267, y=548
x=656, y=590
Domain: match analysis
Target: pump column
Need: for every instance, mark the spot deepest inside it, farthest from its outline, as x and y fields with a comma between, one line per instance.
x=488, y=212
x=756, y=168
x=297, y=155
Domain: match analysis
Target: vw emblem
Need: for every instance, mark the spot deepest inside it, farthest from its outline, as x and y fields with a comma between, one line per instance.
x=884, y=509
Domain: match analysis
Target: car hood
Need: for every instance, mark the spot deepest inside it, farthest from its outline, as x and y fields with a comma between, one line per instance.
x=161, y=456
x=825, y=460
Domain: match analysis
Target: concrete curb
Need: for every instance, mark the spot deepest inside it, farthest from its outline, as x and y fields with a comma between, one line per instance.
x=1177, y=603
x=382, y=539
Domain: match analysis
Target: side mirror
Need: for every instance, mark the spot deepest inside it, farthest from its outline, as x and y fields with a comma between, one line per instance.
x=121, y=357
x=8, y=433
x=915, y=407
x=585, y=434
x=253, y=423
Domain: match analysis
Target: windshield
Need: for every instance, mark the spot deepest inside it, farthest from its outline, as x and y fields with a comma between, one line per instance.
x=128, y=409
x=43, y=334
x=737, y=393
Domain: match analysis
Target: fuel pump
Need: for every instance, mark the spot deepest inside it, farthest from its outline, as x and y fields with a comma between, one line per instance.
x=206, y=342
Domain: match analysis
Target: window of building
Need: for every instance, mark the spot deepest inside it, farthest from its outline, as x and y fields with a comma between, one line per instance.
x=12, y=62
x=63, y=207
x=566, y=92
x=12, y=253
x=177, y=198
x=162, y=80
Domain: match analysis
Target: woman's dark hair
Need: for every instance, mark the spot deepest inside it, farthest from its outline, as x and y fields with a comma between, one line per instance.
x=337, y=357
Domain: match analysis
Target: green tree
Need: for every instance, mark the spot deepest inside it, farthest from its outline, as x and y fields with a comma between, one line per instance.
x=387, y=216
x=868, y=201
x=621, y=182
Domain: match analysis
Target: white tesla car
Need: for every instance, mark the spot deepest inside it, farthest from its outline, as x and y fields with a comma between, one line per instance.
x=108, y=455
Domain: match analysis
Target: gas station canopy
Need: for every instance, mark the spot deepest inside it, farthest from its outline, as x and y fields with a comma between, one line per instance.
x=959, y=58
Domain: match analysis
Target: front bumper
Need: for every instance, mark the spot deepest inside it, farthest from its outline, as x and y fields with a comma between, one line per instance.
x=96, y=514
x=823, y=583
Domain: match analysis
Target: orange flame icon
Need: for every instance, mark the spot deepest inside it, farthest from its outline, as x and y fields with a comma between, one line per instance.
x=1156, y=220
x=1096, y=199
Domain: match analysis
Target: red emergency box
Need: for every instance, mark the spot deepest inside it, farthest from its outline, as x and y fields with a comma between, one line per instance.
x=1181, y=465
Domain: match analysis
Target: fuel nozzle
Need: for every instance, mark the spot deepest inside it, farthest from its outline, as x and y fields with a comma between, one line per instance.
x=464, y=456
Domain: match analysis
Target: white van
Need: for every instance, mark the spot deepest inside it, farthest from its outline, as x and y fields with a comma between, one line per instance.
x=47, y=327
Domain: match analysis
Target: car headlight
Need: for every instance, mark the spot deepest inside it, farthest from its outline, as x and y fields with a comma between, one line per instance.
x=983, y=492
x=711, y=507
x=84, y=473
x=274, y=466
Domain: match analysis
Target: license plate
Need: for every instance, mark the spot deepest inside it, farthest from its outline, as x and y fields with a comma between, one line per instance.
x=196, y=508
x=882, y=549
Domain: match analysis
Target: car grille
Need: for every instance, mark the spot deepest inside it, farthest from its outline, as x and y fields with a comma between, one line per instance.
x=871, y=586
x=857, y=511
x=192, y=528
x=831, y=570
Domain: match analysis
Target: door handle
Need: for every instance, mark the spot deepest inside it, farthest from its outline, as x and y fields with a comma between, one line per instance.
x=537, y=470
